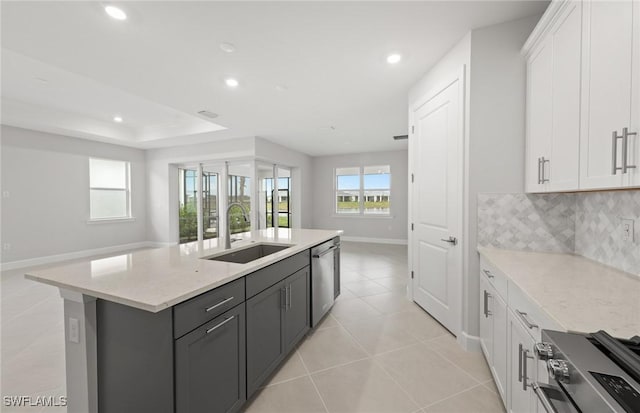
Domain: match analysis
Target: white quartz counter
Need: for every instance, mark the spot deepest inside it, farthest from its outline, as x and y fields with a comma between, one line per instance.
x=580, y=294
x=158, y=278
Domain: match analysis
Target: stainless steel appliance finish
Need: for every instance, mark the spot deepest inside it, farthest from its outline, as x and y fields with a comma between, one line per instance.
x=589, y=373
x=322, y=280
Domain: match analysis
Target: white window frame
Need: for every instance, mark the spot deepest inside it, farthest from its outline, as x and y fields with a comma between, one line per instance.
x=361, y=211
x=127, y=190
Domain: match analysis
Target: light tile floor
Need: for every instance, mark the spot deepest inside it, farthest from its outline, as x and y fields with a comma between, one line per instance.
x=375, y=352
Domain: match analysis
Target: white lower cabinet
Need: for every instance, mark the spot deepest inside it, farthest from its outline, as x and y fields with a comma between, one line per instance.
x=493, y=334
x=522, y=371
x=510, y=326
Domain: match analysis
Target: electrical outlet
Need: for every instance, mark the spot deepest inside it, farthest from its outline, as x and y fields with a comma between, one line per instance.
x=627, y=229
x=74, y=330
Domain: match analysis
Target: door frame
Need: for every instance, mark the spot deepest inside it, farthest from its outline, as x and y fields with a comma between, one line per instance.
x=459, y=76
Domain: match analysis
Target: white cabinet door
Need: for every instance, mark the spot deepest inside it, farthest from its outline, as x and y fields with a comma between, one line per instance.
x=486, y=319
x=500, y=346
x=522, y=369
x=606, y=89
x=539, y=116
x=563, y=168
x=634, y=143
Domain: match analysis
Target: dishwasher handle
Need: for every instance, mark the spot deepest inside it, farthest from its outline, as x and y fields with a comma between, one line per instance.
x=325, y=252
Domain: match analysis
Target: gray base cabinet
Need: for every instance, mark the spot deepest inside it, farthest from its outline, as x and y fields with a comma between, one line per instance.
x=277, y=319
x=210, y=365
x=207, y=354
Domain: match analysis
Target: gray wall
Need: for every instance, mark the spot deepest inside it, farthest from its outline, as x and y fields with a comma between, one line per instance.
x=45, y=205
x=375, y=228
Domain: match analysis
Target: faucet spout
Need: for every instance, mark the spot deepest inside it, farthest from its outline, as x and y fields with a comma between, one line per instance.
x=245, y=215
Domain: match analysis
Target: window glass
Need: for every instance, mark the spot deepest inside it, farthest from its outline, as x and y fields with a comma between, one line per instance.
x=109, y=193
x=363, y=190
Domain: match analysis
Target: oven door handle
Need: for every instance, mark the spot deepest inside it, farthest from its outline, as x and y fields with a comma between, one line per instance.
x=544, y=399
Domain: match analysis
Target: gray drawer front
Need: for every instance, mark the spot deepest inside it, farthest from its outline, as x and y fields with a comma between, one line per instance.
x=266, y=277
x=192, y=313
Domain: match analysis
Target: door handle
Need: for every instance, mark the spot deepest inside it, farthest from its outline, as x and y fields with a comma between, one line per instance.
x=488, y=273
x=544, y=399
x=451, y=240
x=625, y=145
x=525, y=320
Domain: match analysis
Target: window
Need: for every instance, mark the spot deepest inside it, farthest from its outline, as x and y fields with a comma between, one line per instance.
x=109, y=189
x=363, y=190
x=188, y=219
x=283, y=202
x=239, y=193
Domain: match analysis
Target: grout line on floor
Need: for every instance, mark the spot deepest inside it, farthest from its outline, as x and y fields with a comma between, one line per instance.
x=326, y=409
x=451, y=396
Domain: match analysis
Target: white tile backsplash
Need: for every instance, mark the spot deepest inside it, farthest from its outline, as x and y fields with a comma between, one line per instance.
x=588, y=224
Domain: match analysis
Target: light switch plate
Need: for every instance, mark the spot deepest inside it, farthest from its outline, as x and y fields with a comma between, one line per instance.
x=627, y=229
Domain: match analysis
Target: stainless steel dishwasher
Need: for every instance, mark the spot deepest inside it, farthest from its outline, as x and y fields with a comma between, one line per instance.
x=322, y=280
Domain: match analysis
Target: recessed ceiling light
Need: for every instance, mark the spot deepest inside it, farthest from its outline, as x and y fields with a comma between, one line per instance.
x=41, y=79
x=231, y=82
x=115, y=12
x=281, y=88
x=394, y=58
x=117, y=119
x=227, y=47
x=208, y=114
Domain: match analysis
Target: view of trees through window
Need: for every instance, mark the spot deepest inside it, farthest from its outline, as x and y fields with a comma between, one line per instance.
x=283, y=202
x=363, y=190
x=239, y=192
x=188, y=220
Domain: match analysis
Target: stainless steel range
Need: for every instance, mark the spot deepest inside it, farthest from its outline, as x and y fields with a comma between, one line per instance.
x=589, y=373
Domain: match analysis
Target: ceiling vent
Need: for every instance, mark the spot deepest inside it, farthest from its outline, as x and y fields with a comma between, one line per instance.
x=208, y=114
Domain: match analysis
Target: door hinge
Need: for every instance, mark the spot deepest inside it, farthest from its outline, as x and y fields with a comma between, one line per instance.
x=412, y=129
x=412, y=178
x=412, y=275
x=412, y=226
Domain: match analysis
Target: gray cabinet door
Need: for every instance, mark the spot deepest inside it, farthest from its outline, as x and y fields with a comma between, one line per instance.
x=210, y=365
x=297, y=314
x=265, y=346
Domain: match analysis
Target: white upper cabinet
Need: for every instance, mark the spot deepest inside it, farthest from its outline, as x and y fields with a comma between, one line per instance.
x=610, y=84
x=553, y=103
x=583, y=86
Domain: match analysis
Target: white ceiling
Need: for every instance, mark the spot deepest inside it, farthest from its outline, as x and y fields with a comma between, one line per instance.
x=163, y=64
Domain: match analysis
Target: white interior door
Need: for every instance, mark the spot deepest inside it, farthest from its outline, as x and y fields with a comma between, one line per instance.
x=437, y=205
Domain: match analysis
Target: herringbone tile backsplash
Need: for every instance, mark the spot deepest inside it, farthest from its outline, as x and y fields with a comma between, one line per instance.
x=587, y=223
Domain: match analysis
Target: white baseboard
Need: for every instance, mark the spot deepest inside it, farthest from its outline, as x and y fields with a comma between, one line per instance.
x=50, y=259
x=375, y=240
x=469, y=343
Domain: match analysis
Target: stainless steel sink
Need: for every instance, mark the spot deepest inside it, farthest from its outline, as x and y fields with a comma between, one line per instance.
x=245, y=255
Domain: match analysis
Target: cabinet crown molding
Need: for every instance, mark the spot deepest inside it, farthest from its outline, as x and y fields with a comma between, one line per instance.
x=545, y=24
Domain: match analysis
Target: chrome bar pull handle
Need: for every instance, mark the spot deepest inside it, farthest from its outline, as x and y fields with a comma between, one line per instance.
x=486, y=304
x=625, y=146
x=520, y=362
x=614, y=152
x=226, y=320
x=525, y=356
x=213, y=307
x=543, y=161
x=488, y=273
x=525, y=320
x=539, y=169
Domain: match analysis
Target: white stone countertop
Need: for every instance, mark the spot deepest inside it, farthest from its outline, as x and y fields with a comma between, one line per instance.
x=580, y=294
x=158, y=278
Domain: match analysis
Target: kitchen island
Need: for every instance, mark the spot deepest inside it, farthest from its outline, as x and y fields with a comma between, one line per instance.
x=171, y=330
